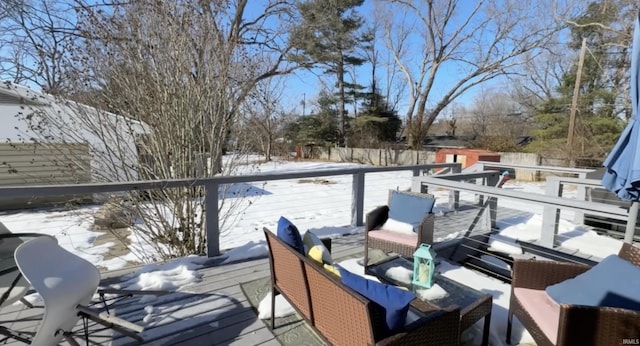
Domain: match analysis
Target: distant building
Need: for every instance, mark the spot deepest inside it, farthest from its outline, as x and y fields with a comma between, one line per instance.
x=104, y=143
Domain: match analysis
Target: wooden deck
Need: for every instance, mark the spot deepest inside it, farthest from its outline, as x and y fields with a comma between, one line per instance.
x=214, y=311
x=211, y=312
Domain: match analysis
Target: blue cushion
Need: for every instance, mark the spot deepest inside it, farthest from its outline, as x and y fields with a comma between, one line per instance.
x=289, y=233
x=409, y=208
x=394, y=300
x=613, y=282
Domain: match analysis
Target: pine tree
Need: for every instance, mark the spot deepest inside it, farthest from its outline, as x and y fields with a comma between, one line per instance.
x=329, y=36
x=320, y=126
x=378, y=121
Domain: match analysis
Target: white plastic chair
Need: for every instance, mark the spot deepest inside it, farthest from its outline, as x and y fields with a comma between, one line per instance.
x=64, y=281
x=13, y=285
x=67, y=283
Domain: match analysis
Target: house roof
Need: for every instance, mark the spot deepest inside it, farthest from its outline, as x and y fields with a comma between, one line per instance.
x=26, y=95
x=22, y=93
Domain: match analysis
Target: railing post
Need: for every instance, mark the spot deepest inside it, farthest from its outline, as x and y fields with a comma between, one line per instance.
x=630, y=229
x=357, y=199
x=581, y=195
x=454, y=195
x=211, y=218
x=479, y=198
x=550, y=215
x=416, y=184
x=493, y=180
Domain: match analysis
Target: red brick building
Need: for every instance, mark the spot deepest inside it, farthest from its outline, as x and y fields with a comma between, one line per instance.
x=467, y=157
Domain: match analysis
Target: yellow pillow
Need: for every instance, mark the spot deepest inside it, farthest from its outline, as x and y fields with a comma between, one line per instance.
x=332, y=269
x=315, y=249
x=316, y=253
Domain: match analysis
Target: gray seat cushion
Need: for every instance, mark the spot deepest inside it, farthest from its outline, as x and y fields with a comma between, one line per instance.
x=614, y=282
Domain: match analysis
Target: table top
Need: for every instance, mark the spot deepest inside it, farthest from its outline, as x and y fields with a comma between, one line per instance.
x=457, y=294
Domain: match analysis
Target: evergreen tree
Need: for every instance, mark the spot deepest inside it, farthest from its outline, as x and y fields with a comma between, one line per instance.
x=320, y=127
x=550, y=136
x=377, y=122
x=354, y=93
x=329, y=36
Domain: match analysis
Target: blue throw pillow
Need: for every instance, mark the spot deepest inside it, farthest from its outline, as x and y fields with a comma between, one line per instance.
x=394, y=300
x=410, y=208
x=613, y=282
x=289, y=233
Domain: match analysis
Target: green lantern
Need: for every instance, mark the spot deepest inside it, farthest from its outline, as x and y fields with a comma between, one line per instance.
x=423, y=266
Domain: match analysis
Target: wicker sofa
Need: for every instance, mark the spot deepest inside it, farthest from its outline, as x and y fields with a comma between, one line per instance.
x=340, y=315
x=550, y=323
x=377, y=237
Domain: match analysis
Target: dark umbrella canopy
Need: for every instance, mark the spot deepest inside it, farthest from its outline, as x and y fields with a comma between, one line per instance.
x=622, y=176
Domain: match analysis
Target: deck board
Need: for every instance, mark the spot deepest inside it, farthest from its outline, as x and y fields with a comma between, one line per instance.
x=214, y=311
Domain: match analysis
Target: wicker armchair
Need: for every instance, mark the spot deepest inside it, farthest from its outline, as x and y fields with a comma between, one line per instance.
x=575, y=324
x=388, y=241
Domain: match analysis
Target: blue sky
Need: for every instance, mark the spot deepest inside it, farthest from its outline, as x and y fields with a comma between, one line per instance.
x=305, y=84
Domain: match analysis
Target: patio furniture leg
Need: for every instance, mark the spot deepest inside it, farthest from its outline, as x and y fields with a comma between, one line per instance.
x=108, y=320
x=273, y=306
x=12, y=334
x=115, y=323
x=486, y=329
x=509, y=321
x=130, y=293
x=69, y=338
x=26, y=303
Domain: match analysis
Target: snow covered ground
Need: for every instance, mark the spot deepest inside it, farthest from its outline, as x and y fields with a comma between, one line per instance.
x=321, y=205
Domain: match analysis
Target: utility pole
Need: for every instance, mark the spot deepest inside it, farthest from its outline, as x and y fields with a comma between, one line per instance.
x=574, y=104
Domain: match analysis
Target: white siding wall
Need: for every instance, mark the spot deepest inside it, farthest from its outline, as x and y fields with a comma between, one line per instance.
x=29, y=164
x=111, y=138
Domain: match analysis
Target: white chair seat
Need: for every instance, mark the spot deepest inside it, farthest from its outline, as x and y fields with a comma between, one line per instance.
x=64, y=281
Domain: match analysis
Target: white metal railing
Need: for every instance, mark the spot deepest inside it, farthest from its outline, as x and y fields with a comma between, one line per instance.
x=212, y=190
x=555, y=188
x=489, y=178
x=578, y=172
x=551, y=204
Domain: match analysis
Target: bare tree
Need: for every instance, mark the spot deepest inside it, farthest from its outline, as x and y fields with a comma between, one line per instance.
x=540, y=76
x=264, y=116
x=167, y=80
x=36, y=42
x=384, y=71
x=428, y=39
x=495, y=113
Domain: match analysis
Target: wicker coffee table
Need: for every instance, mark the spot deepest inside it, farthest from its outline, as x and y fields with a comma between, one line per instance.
x=473, y=304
